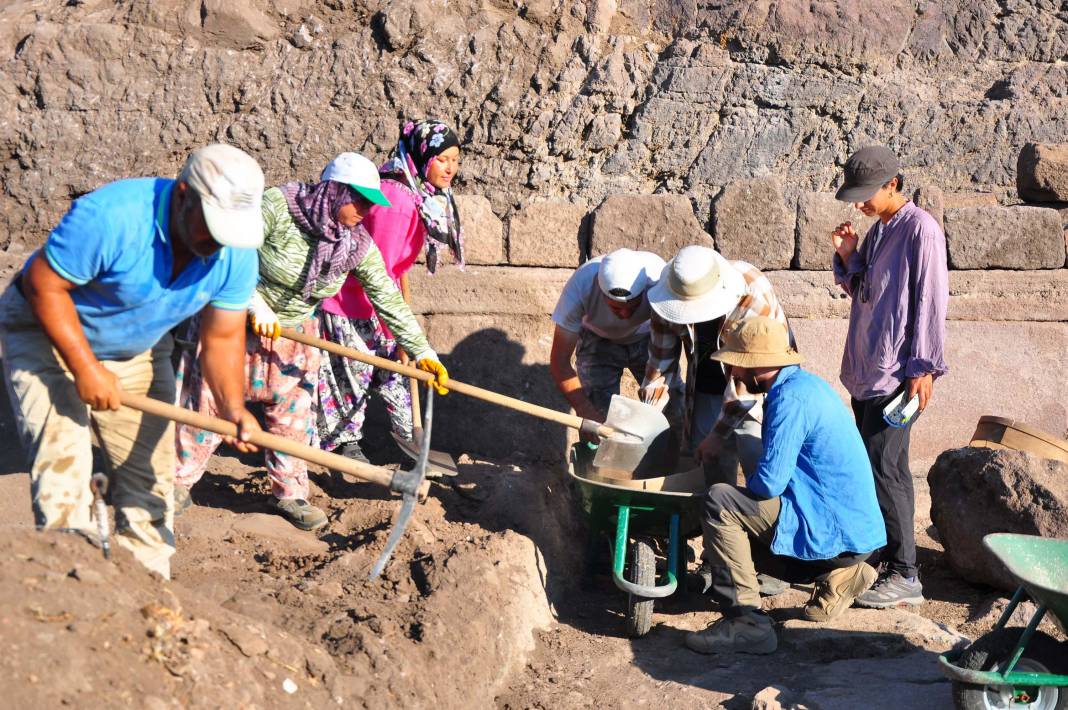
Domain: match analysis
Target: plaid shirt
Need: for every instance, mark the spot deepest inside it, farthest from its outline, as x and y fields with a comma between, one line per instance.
x=666, y=341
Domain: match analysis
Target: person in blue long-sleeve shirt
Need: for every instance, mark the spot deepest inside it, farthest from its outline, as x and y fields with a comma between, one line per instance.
x=808, y=513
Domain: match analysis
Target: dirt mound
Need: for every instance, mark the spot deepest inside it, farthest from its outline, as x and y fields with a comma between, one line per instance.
x=258, y=608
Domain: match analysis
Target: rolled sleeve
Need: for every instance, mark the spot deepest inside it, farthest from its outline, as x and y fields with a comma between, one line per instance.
x=846, y=273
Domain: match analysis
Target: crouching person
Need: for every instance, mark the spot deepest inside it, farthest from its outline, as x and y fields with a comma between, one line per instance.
x=807, y=514
x=88, y=318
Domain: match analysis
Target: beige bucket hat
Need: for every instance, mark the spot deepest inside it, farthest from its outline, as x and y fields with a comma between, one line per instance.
x=698, y=285
x=758, y=342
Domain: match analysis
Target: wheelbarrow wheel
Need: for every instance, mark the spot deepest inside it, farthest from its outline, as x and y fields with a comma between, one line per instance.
x=642, y=570
x=992, y=652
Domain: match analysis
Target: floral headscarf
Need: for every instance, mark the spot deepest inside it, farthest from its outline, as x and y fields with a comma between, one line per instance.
x=420, y=142
x=339, y=249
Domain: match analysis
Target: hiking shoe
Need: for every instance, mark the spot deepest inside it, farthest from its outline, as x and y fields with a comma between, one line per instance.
x=700, y=580
x=892, y=590
x=836, y=593
x=750, y=632
x=183, y=500
x=300, y=512
x=353, y=451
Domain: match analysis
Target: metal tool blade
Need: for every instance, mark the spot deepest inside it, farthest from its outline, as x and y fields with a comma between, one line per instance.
x=407, y=483
x=437, y=462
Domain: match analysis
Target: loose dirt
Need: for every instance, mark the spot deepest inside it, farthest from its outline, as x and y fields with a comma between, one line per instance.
x=482, y=606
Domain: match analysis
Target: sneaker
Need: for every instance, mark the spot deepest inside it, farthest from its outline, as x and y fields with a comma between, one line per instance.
x=836, y=593
x=353, y=451
x=700, y=580
x=300, y=512
x=750, y=632
x=183, y=500
x=892, y=590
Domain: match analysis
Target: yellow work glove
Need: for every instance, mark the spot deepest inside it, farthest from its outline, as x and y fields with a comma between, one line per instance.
x=263, y=319
x=441, y=375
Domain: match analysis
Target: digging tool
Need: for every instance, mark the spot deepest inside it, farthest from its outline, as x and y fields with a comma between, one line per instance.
x=412, y=485
x=437, y=461
x=635, y=438
x=98, y=484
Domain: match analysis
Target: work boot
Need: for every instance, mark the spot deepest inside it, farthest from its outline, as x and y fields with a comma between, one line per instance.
x=836, y=593
x=300, y=512
x=183, y=500
x=750, y=632
x=353, y=451
x=892, y=590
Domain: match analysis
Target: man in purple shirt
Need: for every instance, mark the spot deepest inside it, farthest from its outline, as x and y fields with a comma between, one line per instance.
x=899, y=284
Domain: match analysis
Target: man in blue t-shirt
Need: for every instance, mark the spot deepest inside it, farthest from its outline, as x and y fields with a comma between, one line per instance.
x=89, y=318
x=808, y=513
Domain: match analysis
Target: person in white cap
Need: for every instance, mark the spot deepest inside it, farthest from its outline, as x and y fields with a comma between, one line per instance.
x=89, y=316
x=699, y=296
x=312, y=240
x=421, y=217
x=603, y=311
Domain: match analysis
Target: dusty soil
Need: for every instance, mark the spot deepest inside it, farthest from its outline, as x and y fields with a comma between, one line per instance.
x=463, y=616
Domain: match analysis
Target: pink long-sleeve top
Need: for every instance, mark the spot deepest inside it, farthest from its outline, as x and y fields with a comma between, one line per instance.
x=399, y=233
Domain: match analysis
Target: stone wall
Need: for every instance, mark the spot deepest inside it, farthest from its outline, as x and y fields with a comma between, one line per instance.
x=593, y=125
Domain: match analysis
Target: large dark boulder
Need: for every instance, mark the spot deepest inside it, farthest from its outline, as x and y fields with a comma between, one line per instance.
x=976, y=491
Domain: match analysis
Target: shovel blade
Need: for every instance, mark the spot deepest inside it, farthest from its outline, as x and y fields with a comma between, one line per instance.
x=438, y=462
x=643, y=446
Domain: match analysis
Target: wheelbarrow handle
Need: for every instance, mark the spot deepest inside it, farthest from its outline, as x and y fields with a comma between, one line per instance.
x=568, y=420
x=366, y=472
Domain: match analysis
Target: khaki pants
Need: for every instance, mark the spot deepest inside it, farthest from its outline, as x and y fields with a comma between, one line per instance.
x=738, y=531
x=54, y=426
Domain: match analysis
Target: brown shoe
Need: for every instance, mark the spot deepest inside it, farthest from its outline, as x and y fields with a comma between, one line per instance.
x=835, y=594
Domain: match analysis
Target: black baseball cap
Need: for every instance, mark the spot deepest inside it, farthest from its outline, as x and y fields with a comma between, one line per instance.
x=865, y=172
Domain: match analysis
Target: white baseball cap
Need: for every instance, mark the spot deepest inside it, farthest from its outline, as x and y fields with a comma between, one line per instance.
x=229, y=182
x=698, y=285
x=359, y=173
x=626, y=274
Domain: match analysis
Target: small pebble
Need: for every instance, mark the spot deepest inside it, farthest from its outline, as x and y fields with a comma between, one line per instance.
x=289, y=686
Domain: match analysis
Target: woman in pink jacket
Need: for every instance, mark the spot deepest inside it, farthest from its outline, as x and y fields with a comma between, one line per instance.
x=417, y=181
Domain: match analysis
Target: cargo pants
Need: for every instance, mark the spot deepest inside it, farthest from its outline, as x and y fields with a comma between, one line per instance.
x=54, y=427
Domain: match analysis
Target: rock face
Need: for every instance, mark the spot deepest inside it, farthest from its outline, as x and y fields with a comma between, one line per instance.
x=483, y=232
x=752, y=223
x=662, y=224
x=976, y=491
x=1042, y=172
x=818, y=215
x=550, y=233
x=1004, y=238
x=570, y=100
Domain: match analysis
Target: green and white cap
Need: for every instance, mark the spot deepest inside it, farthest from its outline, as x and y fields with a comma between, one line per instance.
x=359, y=173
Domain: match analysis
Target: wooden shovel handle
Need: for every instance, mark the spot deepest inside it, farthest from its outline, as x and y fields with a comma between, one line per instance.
x=366, y=472
x=569, y=420
x=413, y=386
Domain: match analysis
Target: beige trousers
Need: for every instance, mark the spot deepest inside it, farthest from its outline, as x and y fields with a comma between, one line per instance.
x=54, y=426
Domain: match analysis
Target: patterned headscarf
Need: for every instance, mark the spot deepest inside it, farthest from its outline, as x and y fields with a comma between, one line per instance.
x=420, y=142
x=338, y=249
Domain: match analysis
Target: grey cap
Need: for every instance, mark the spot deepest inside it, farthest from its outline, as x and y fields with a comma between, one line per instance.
x=865, y=172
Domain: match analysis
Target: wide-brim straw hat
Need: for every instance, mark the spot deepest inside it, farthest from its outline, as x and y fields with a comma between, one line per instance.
x=758, y=342
x=698, y=285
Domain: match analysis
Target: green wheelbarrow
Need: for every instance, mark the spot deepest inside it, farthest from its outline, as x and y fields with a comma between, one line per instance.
x=647, y=515
x=1012, y=667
